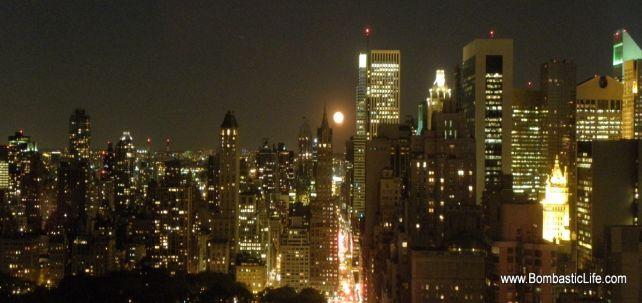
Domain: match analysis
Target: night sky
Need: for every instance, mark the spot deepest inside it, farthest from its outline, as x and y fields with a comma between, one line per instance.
x=171, y=69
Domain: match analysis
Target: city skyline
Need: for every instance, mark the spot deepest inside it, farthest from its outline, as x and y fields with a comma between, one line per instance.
x=65, y=60
x=243, y=152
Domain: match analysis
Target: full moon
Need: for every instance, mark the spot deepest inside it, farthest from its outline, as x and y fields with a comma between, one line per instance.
x=338, y=117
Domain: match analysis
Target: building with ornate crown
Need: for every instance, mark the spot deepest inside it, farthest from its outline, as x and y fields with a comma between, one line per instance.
x=555, y=206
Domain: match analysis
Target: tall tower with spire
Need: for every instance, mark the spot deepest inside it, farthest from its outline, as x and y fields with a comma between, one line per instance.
x=439, y=96
x=324, y=267
x=225, y=220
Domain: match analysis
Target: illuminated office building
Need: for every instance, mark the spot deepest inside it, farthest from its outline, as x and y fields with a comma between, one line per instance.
x=632, y=99
x=324, y=262
x=383, y=92
x=558, y=84
x=627, y=66
x=79, y=135
x=627, y=56
x=528, y=144
x=607, y=194
x=486, y=99
x=377, y=103
x=599, y=109
x=4, y=170
x=225, y=220
x=556, y=217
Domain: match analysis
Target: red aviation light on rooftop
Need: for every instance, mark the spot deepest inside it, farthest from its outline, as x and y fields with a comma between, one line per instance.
x=530, y=84
x=491, y=34
x=168, y=140
x=149, y=140
x=367, y=31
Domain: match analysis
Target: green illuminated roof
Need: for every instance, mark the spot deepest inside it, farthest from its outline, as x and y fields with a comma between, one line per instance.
x=625, y=48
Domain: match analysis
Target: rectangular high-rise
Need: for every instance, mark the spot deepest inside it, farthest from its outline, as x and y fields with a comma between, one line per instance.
x=378, y=97
x=486, y=99
x=599, y=109
x=558, y=83
x=608, y=174
x=79, y=135
x=295, y=257
x=383, y=93
x=528, y=143
x=4, y=169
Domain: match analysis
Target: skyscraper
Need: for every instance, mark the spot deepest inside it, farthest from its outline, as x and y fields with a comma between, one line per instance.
x=556, y=215
x=324, y=265
x=4, y=170
x=384, y=88
x=627, y=66
x=79, y=135
x=558, y=83
x=295, y=250
x=304, y=163
x=487, y=92
x=285, y=171
x=176, y=227
x=607, y=194
x=378, y=99
x=252, y=235
x=528, y=142
x=19, y=149
x=624, y=49
x=226, y=220
x=437, y=95
x=124, y=170
x=80, y=153
x=632, y=97
x=599, y=109
x=267, y=164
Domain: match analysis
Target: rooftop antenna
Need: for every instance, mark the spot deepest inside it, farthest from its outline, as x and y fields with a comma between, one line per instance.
x=367, y=32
